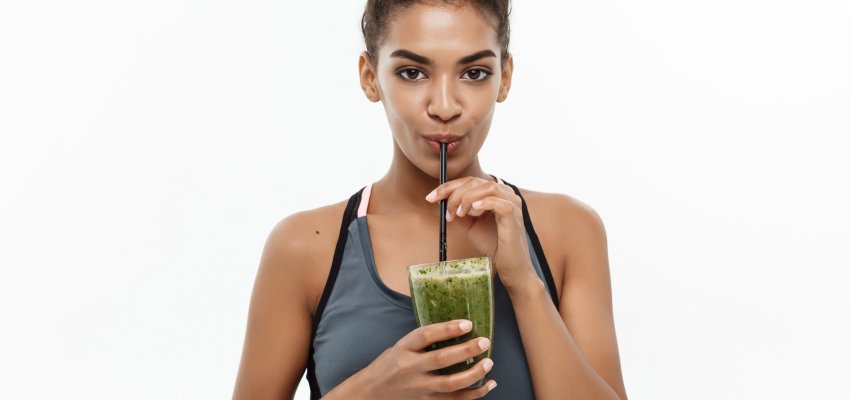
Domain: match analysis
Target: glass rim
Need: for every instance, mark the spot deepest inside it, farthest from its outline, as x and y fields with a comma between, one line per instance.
x=489, y=262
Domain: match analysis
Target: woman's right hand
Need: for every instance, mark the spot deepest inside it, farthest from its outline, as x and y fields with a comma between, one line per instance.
x=404, y=371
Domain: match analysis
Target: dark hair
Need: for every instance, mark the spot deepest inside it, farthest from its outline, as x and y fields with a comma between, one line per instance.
x=379, y=13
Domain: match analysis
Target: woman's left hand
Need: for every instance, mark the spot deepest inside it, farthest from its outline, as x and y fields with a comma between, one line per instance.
x=492, y=213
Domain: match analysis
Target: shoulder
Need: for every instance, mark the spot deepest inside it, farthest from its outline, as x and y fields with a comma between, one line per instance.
x=562, y=214
x=302, y=232
x=301, y=247
x=569, y=229
x=559, y=203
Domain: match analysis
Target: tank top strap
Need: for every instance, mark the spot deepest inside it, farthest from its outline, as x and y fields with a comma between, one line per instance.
x=538, y=249
x=349, y=215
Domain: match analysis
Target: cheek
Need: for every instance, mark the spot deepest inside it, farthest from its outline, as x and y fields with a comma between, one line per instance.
x=401, y=102
x=480, y=100
x=405, y=105
x=480, y=110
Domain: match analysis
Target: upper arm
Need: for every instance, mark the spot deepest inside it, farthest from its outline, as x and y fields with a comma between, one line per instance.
x=586, y=304
x=277, y=337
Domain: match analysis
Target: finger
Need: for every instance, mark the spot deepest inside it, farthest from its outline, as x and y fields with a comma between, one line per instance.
x=503, y=209
x=452, y=355
x=456, y=197
x=476, y=393
x=462, y=380
x=423, y=337
x=444, y=190
x=473, y=194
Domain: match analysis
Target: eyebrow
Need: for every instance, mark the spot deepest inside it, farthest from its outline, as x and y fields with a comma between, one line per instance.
x=425, y=60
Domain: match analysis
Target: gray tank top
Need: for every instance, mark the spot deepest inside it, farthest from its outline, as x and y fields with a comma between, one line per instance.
x=358, y=316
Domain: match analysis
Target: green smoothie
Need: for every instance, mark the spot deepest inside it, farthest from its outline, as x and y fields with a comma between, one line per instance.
x=456, y=289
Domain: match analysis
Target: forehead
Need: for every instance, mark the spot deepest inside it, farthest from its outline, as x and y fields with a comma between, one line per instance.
x=441, y=31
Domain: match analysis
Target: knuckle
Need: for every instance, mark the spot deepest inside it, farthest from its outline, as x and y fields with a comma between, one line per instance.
x=394, y=357
x=441, y=358
x=472, y=348
x=451, y=199
x=424, y=336
x=447, y=329
x=394, y=352
x=447, y=384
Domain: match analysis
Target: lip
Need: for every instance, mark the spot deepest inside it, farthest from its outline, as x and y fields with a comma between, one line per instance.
x=443, y=138
x=453, y=144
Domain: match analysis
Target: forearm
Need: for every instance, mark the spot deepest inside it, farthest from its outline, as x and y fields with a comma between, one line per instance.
x=558, y=368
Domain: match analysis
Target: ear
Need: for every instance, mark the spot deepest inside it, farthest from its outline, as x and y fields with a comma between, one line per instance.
x=368, y=78
x=507, y=73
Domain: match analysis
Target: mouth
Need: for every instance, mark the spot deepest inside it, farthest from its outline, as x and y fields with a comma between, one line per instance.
x=453, y=144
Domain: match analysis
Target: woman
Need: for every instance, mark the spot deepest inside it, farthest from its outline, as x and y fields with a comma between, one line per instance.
x=331, y=293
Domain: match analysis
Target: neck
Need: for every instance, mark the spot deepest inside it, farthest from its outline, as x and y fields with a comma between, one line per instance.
x=404, y=187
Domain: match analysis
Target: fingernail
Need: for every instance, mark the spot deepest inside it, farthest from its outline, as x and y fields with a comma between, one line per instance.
x=483, y=343
x=431, y=196
x=465, y=325
x=476, y=204
x=488, y=364
x=448, y=216
x=492, y=385
x=459, y=209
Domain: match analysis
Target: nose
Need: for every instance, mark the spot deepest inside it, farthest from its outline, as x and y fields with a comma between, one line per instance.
x=444, y=103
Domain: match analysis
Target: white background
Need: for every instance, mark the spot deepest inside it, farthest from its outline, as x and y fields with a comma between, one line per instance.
x=148, y=148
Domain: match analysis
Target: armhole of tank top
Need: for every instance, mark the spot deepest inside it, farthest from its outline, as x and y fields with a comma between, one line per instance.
x=349, y=215
x=538, y=249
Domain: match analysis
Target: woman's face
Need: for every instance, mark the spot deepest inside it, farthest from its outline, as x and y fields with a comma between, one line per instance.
x=439, y=76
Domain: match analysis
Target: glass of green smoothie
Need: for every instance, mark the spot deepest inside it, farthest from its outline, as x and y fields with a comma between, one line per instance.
x=456, y=289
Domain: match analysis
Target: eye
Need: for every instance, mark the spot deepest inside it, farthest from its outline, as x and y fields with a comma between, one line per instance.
x=477, y=74
x=410, y=74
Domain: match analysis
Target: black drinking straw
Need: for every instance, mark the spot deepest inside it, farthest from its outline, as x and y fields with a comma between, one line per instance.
x=443, y=150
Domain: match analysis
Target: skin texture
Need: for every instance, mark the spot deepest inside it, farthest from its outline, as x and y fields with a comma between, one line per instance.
x=572, y=353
